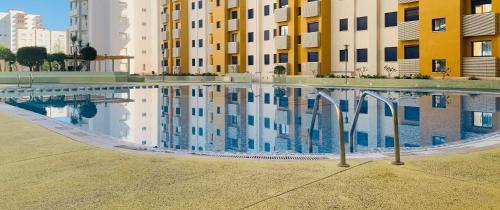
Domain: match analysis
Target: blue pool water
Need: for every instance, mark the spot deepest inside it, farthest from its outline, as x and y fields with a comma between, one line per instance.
x=265, y=118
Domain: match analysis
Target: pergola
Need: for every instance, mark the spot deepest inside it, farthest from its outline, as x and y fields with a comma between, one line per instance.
x=103, y=60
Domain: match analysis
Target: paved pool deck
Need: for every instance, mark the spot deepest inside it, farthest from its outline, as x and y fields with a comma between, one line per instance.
x=41, y=169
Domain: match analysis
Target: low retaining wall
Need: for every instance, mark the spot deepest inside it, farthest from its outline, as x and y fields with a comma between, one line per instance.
x=392, y=83
x=63, y=77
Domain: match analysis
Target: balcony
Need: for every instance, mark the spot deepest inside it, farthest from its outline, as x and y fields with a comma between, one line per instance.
x=281, y=42
x=232, y=109
x=176, y=15
x=283, y=117
x=281, y=15
x=480, y=24
x=407, y=1
x=480, y=67
x=409, y=66
x=409, y=31
x=311, y=40
x=232, y=4
x=176, y=52
x=176, y=33
x=233, y=132
x=233, y=68
x=311, y=68
x=232, y=25
x=232, y=47
x=164, y=17
x=164, y=35
x=311, y=9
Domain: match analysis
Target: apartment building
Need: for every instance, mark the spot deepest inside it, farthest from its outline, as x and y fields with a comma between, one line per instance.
x=20, y=29
x=119, y=28
x=364, y=34
x=456, y=38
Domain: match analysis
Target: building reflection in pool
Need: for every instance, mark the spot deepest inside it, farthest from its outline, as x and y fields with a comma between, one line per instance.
x=264, y=118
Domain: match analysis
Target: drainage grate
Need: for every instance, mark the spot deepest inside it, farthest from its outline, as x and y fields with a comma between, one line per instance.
x=265, y=156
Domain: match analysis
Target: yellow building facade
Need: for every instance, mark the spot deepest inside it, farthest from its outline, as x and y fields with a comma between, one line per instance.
x=448, y=38
x=175, y=46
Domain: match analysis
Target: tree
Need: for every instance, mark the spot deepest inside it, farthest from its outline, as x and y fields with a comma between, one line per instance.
x=7, y=56
x=88, y=54
x=59, y=58
x=31, y=56
x=50, y=60
x=279, y=70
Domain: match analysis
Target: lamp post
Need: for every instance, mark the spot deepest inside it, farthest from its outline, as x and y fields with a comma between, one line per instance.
x=346, y=56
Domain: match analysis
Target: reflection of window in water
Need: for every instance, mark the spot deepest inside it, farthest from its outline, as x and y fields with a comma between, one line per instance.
x=439, y=102
x=483, y=120
x=437, y=140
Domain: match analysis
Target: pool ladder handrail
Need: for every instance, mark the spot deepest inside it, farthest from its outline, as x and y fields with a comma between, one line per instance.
x=394, y=112
x=340, y=117
x=19, y=80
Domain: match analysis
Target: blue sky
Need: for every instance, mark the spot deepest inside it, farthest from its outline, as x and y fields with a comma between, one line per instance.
x=54, y=12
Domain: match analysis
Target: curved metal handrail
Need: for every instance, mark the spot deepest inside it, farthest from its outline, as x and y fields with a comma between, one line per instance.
x=397, y=152
x=19, y=80
x=340, y=117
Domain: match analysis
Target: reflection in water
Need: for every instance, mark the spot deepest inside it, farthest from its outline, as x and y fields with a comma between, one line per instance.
x=263, y=118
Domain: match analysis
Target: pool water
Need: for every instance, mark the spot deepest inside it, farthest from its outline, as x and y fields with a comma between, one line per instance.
x=266, y=118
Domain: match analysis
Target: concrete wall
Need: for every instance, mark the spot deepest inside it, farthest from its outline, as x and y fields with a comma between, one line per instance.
x=63, y=77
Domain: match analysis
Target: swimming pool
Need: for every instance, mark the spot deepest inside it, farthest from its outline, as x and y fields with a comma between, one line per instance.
x=268, y=119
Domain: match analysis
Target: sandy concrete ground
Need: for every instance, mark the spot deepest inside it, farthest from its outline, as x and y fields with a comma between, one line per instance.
x=43, y=170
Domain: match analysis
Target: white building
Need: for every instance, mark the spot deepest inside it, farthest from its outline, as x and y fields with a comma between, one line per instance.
x=198, y=31
x=19, y=29
x=369, y=28
x=119, y=27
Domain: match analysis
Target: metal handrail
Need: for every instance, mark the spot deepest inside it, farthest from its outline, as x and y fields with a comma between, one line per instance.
x=340, y=117
x=19, y=80
x=397, y=152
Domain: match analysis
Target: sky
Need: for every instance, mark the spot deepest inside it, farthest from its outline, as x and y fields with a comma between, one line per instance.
x=55, y=13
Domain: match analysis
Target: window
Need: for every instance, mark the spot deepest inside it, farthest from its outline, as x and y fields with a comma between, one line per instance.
x=250, y=60
x=250, y=14
x=362, y=138
x=312, y=27
x=362, y=23
x=251, y=120
x=200, y=112
x=388, y=112
x=438, y=140
x=439, y=65
x=362, y=55
x=267, y=123
x=267, y=59
x=483, y=120
x=267, y=98
x=310, y=103
x=283, y=57
x=251, y=144
x=193, y=111
x=412, y=113
x=251, y=97
x=344, y=24
x=389, y=141
x=344, y=56
x=391, y=19
x=312, y=57
x=266, y=10
x=439, y=101
x=391, y=54
x=439, y=25
x=481, y=6
x=344, y=105
x=482, y=49
x=200, y=131
x=364, y=107
x=412, y=52
x=266, y=35
x=250, y=37
x=411, y=14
